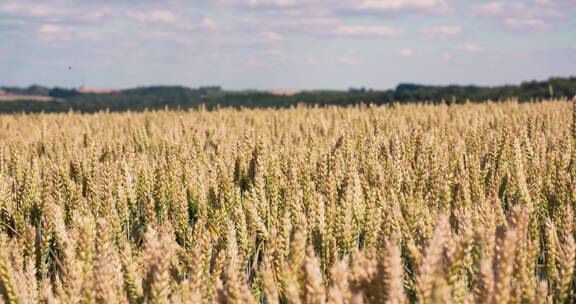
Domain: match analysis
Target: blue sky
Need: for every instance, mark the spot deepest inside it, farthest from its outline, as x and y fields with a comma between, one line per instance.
x=268, y=44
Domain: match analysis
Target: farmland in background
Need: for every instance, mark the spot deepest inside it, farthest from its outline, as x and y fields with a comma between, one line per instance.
x=90, y=100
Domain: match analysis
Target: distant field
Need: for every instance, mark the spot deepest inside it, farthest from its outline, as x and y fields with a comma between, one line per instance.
x=287, y=92
x=14, y=97
x=98, y=90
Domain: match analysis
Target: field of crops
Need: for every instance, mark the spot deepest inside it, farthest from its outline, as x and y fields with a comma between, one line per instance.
x=469, y=203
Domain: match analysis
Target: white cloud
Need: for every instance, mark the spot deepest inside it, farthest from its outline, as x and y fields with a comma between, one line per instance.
x=446, y=56
x=273, y=3
x=440, y=32
x=96, y=14
x=247, y=26
x=31, y=10
x=407, y=53
x=268, y=37
x=470, y=47
x=364, y=31
x=551, y=2
x=368, y=6
x=320, y=26
x=54, y=12
x=307, y=23
x=59, y=33
x=153, y=16
x=415, y=6
x=494, y=9
x=515, y=24
x=310, y=60
x=505, y=9
x=349, y=60
x=209, y=23
x=52, y=29
x=520, y=16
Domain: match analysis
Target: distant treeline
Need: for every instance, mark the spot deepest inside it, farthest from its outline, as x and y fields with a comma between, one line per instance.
x=177, y=97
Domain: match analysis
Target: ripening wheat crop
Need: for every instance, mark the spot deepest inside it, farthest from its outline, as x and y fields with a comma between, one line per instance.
x=471, y=203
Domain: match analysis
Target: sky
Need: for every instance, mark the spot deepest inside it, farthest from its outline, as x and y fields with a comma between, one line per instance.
x=274, y=44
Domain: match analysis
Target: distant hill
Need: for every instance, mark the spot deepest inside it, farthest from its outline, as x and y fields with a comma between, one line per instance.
x=97, y=90
x=36, y=90
x=174, y=97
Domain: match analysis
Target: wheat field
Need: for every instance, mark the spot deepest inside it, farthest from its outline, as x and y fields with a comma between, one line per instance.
x=470, y=203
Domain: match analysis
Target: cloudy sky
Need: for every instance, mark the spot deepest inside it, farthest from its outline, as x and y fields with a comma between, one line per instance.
x=268, y=44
